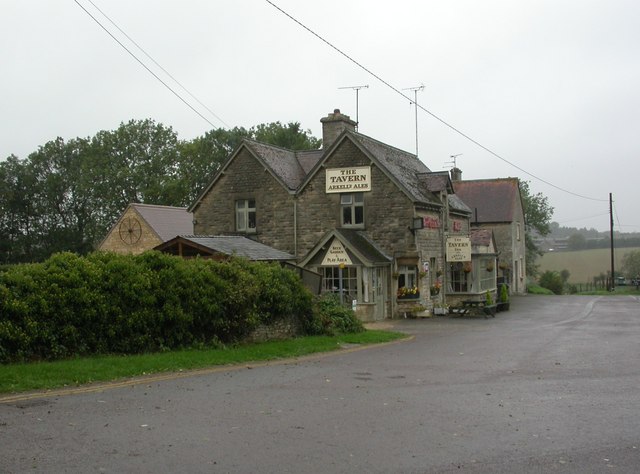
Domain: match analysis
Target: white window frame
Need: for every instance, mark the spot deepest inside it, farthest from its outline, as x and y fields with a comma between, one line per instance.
x=352, y=202
x=246, y=216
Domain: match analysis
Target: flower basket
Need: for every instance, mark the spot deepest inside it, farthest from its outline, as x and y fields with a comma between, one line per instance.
x=408, y=293
x=409, y=297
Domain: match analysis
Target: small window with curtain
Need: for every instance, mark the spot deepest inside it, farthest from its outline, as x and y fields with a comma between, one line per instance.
x=246, y=215
x=352, y=209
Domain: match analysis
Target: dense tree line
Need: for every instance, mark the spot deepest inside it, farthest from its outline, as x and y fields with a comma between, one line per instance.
x=67, y=194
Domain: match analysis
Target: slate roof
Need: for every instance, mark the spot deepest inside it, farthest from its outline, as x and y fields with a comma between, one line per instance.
x=355, y=241
x=236, y=245
x=456, y=204
x=166, y=221
x=359, y=241
x=282, y=163
x=402, y=166
x=481, y=237
x=494, y=199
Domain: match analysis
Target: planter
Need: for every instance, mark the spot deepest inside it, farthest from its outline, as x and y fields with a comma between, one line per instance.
x=409, y=297
x=490, y=310
x=503, y=306
x=440, y=311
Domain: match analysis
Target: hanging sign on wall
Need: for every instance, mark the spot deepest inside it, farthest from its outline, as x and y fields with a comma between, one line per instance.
x=458, y=249
x=345, y=180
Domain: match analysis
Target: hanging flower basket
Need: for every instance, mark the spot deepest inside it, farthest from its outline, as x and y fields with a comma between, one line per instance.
x=467, y=267
x=490, y=268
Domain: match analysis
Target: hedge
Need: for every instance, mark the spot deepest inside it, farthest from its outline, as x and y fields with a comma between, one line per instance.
x=108, y=303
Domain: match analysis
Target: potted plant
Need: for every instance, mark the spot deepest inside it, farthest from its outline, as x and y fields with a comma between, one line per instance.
x=489, y=308
x=435, y=288
x=419, y=311
x=440, y=309
x=503, y=302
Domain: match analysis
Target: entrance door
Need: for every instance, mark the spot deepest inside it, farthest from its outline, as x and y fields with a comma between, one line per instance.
x=378, y=293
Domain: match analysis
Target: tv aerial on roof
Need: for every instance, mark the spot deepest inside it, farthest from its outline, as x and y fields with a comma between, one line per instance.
x=414, y=102
x=453, y=160
x=357, y=89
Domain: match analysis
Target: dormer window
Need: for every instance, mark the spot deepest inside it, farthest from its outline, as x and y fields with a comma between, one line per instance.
x=352, y=209
x=246, y=215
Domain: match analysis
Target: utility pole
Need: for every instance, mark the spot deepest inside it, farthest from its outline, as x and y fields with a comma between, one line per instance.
x=357, y=89
x=613, y=278
x=415, y=102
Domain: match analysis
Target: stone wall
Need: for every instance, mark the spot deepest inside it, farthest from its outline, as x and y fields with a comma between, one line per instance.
x=247, y=178
x=387, y=211
x=279, y=330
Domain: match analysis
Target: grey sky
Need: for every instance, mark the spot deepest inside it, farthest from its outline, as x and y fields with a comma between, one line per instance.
x=550, y=85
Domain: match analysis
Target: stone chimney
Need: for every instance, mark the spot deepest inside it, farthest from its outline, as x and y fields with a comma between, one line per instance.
x=333, y=125
x=456, y=174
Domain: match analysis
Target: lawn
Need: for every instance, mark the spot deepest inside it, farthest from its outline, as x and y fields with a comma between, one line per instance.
x=85, y=370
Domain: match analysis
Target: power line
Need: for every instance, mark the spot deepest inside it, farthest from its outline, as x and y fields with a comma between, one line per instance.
x=145, y=66
x=157, y=64
x=442, y=121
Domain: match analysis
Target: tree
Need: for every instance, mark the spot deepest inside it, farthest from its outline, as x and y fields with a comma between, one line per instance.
x=289, y=136
x=66, y=195
x=577, y=242
x=631, y=264
x=203, y=156
x=538, y=214
x=552, y=281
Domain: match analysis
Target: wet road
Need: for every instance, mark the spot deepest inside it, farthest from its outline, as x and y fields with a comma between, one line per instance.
x=551, y=386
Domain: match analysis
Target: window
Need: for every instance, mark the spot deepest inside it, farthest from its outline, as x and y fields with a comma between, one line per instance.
x=246, y=215
x=517, y=231
x=460, y=277
x=352, y=209
x=331, y=282
x=487, y=273
x=407, y=276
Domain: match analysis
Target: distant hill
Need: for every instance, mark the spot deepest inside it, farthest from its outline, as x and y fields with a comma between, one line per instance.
x=583, y=265
x=572, y=238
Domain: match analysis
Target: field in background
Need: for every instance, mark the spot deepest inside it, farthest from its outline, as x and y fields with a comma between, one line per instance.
x=583, y=264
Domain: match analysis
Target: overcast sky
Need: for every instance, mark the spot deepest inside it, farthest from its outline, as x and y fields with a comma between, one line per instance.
x=551, y=86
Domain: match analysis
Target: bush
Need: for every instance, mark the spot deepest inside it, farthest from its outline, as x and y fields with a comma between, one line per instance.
x=552, y=281
x=109, y=303
x=331, y=317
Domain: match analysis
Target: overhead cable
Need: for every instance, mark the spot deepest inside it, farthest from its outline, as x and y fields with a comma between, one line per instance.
x=146, y=67
x=442, y=121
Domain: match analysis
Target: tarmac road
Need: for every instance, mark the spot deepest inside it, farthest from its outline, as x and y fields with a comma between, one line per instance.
x=551, y=386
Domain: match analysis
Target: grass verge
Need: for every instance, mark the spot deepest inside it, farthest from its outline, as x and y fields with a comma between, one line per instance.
x=73, y=372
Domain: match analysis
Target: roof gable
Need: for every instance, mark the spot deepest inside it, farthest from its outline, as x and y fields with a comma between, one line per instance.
x=355, y=242
x=491, y=200
x=165, y=221
x=288, y=167
x=401, y=167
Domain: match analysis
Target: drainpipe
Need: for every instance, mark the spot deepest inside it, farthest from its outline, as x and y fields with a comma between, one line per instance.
x=295, y=228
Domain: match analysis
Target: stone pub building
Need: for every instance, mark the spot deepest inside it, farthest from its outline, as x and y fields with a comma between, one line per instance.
x=383, y=231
